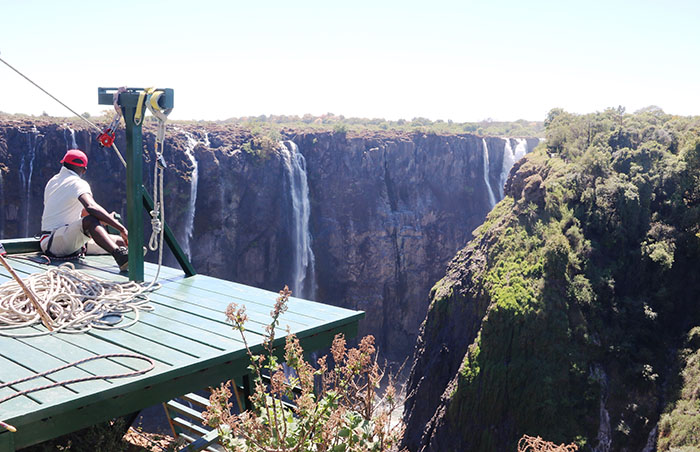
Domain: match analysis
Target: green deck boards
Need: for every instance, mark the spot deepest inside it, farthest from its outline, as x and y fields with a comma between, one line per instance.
x=186, y=335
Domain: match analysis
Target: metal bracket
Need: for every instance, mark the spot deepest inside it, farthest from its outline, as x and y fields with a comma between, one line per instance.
x=135, y=193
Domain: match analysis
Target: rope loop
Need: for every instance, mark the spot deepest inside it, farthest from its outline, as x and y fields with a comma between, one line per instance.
x=75, y=301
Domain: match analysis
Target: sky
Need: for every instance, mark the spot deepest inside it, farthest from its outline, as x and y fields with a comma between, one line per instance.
x=460, y=60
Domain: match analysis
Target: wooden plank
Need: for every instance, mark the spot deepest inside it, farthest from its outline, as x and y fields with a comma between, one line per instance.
x=184, y=410
x=166, y=332
x=316, y=328
x=69, y=353
x=17, y=404
x=38, y=427
x=257, y=301
x=261, y=301
x=196, y=399
x=11, y=371
x=191, y=426
x=214, y=310
x=239, y=290
x=38, y=361
x=200, y=443
x=173, y=335
x=152, y=349
x=258, y=316
x=52, y=422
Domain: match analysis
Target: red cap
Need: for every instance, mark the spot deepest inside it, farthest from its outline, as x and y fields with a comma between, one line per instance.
x=75, y=157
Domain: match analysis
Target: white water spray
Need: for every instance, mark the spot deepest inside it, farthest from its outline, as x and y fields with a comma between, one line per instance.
x=520, y=148
x=509, y=159
x=487, y=167
x=26, y=169
x=192, y=143
x=303, y=278
x=72, y=144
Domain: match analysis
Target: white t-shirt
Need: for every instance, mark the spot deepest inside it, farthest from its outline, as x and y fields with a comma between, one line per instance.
x=61, y=204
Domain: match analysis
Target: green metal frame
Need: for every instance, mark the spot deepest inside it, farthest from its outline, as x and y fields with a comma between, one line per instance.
x=136, y=194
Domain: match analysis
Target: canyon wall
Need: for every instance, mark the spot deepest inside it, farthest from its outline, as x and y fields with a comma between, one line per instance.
x=387, y=210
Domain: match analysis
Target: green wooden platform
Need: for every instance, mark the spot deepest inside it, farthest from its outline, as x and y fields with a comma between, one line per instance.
x=186, y=335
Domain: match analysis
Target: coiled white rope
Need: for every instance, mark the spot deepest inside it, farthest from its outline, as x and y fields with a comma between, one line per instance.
x=75, y=301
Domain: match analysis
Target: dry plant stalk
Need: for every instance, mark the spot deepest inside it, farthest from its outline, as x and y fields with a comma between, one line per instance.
x=537, y=444
x=345, y=414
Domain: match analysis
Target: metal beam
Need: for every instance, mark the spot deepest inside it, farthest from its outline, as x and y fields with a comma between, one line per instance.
x=134, y=192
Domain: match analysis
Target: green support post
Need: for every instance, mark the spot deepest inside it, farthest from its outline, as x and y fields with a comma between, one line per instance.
x=134, y=183
x=136, y=194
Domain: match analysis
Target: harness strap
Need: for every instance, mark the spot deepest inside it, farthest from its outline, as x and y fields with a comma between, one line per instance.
x=77, y=255
x=44, y=236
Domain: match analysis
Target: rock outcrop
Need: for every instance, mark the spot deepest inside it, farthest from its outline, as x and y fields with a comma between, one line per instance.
x=563, y=317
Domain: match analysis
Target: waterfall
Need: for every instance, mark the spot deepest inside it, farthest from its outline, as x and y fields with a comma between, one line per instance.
x=509, y=159
x=487, y=167
x=72, y=144
x=604, y=429
x=192, y=143
x=303, y=278
x=520, y=148
x=26, y=169
x=651, y=440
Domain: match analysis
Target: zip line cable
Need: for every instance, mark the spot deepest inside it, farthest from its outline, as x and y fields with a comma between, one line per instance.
x=161, y=117
x=95, y=126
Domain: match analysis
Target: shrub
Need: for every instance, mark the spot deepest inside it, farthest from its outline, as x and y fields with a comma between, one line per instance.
x=345, y=415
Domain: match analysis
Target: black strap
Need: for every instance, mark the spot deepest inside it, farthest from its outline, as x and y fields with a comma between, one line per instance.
x=48, y=246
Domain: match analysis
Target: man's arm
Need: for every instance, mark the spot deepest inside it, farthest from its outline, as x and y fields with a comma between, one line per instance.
x=93, y=208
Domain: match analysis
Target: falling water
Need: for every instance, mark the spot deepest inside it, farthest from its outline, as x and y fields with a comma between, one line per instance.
x=26, y=169
x=520, y=148
x=651, y=440
x=192, y=143
x=487, y=167
x=509, y=159
x=508, y=162
x=72, y=144
x=303, y=284
x=604, y=429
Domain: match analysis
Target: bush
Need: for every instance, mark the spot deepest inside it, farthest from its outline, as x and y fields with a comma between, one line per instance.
x=345, y=415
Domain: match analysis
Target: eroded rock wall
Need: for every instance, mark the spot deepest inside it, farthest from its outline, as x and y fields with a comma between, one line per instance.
x=388, y=210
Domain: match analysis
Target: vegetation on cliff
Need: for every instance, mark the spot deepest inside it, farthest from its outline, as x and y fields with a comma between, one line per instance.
x=589, y=267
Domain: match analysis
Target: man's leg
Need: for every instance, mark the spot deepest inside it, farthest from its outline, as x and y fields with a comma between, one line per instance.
x=99, y=234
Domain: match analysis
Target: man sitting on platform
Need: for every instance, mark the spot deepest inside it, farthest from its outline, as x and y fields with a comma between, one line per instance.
x=67, y=198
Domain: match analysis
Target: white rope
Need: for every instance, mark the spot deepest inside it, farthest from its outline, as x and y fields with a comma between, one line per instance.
x=158, y=212
x=157, y=217
x=75, y=301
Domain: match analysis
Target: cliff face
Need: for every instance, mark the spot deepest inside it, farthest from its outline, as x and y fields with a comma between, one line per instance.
x=563, y=317
x=387, y=211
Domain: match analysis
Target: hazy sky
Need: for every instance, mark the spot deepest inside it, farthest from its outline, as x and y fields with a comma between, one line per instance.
x=460, y=60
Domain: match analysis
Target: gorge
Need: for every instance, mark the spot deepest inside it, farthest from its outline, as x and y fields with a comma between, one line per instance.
x=367, y=222
x=563, y=273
